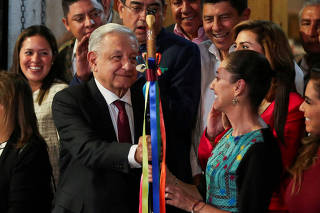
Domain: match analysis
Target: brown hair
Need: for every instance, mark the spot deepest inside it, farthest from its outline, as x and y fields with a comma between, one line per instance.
x=16, y=98
x=278, y=52
x=255, y=70
x=307, y=154
x=56, y=71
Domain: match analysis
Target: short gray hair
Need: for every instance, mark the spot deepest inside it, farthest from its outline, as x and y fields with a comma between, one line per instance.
x=306, y=4
x=98, y=34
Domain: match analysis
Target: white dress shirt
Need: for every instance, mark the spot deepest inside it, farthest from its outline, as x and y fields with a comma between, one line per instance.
x=110, y=98
x=210, y=61
x=2, y=146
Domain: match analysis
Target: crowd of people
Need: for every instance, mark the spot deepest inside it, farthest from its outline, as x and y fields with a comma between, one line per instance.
x=242, y=117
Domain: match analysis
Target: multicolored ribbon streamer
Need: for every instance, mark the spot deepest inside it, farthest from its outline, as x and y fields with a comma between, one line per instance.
x=158, y=144
x=144, y=185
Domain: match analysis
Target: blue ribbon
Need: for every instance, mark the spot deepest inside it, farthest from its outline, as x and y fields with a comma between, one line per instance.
x=154, y=146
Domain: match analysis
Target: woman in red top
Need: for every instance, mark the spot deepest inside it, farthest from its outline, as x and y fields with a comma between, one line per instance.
x=303, y=192
x=280, y=108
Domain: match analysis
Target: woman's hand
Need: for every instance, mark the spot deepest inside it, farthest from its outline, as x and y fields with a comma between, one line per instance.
x=217, y=122
x=176, y=196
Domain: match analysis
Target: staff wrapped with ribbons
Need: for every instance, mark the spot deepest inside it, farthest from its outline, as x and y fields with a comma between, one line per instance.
x=157, y=128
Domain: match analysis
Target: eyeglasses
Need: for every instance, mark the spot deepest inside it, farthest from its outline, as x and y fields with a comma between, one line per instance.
x=138, y=8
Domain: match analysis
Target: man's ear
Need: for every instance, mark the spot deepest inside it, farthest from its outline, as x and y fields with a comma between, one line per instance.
x=66, y=24
x=245, y=14
x=92, y=59
x=120, y=8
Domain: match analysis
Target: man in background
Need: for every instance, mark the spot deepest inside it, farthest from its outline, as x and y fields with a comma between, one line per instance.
x=188, y=17
x=179, y=83
x=219, y=17
x=309, y=23
x=81, y=18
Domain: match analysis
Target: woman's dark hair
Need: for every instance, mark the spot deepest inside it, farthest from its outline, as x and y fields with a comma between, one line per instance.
x=307, y=154
x=16, y=98
x=56, y=71
x=255, y=70
x=278, y=52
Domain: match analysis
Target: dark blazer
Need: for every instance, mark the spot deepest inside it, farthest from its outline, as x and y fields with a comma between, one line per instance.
x=95, y=173
x=180, y=95
x=25, y=178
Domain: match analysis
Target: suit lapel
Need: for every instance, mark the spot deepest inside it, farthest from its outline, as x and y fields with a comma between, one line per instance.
x=100, y=109
x=138, y=107
x=7, y=150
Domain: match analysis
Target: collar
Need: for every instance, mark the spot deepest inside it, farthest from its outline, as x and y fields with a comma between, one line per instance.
x=214, y=50
x=110, y=15
x=74, y=52
x=110, y=97
x=201, y=34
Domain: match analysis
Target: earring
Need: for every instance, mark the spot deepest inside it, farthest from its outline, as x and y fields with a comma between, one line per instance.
x=235, y=100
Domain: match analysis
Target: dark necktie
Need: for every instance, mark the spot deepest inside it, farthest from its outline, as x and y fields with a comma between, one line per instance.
x=124, y=134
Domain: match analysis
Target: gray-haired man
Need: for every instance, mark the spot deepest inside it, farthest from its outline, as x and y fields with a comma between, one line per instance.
x=100, y=160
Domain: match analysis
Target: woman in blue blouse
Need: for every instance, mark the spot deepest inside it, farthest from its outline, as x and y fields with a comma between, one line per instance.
x=245, y=165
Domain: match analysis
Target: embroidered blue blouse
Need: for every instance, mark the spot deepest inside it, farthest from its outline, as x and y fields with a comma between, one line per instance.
x=223, y=172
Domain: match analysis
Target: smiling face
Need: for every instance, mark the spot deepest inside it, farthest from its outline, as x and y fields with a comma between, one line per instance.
x=35, y=58
x=310, y=28
x=248, y=40
x=223, y=88
x=311, y=109
x=83, y=18
x=187, y=14
x=133, y=15
x=115, y=66
x=218, y=21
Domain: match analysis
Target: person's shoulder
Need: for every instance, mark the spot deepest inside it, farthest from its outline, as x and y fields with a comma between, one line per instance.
x=78, y=91
x=265, y=141
x=174, y=39
x=66, y=46
x=295, y=97
x=34, y=146
x=170, y=28
x=57, y=86
x=295, y=100
x=205, y=44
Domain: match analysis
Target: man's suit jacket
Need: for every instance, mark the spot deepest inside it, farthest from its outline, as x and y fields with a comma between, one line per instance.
x=25, y=177
x=95, y=173
x=180, y=95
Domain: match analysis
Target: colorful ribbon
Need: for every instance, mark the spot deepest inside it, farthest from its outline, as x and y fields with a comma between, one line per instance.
x=158, y=143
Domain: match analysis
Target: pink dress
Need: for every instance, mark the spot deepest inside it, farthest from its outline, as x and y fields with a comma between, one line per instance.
x=307, y=200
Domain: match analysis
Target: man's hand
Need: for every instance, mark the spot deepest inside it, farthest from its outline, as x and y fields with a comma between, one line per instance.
x=83, y=68
x=138, y=154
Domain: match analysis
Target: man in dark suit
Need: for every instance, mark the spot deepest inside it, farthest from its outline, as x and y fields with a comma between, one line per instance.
x=98, y=162
x=179, y=84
